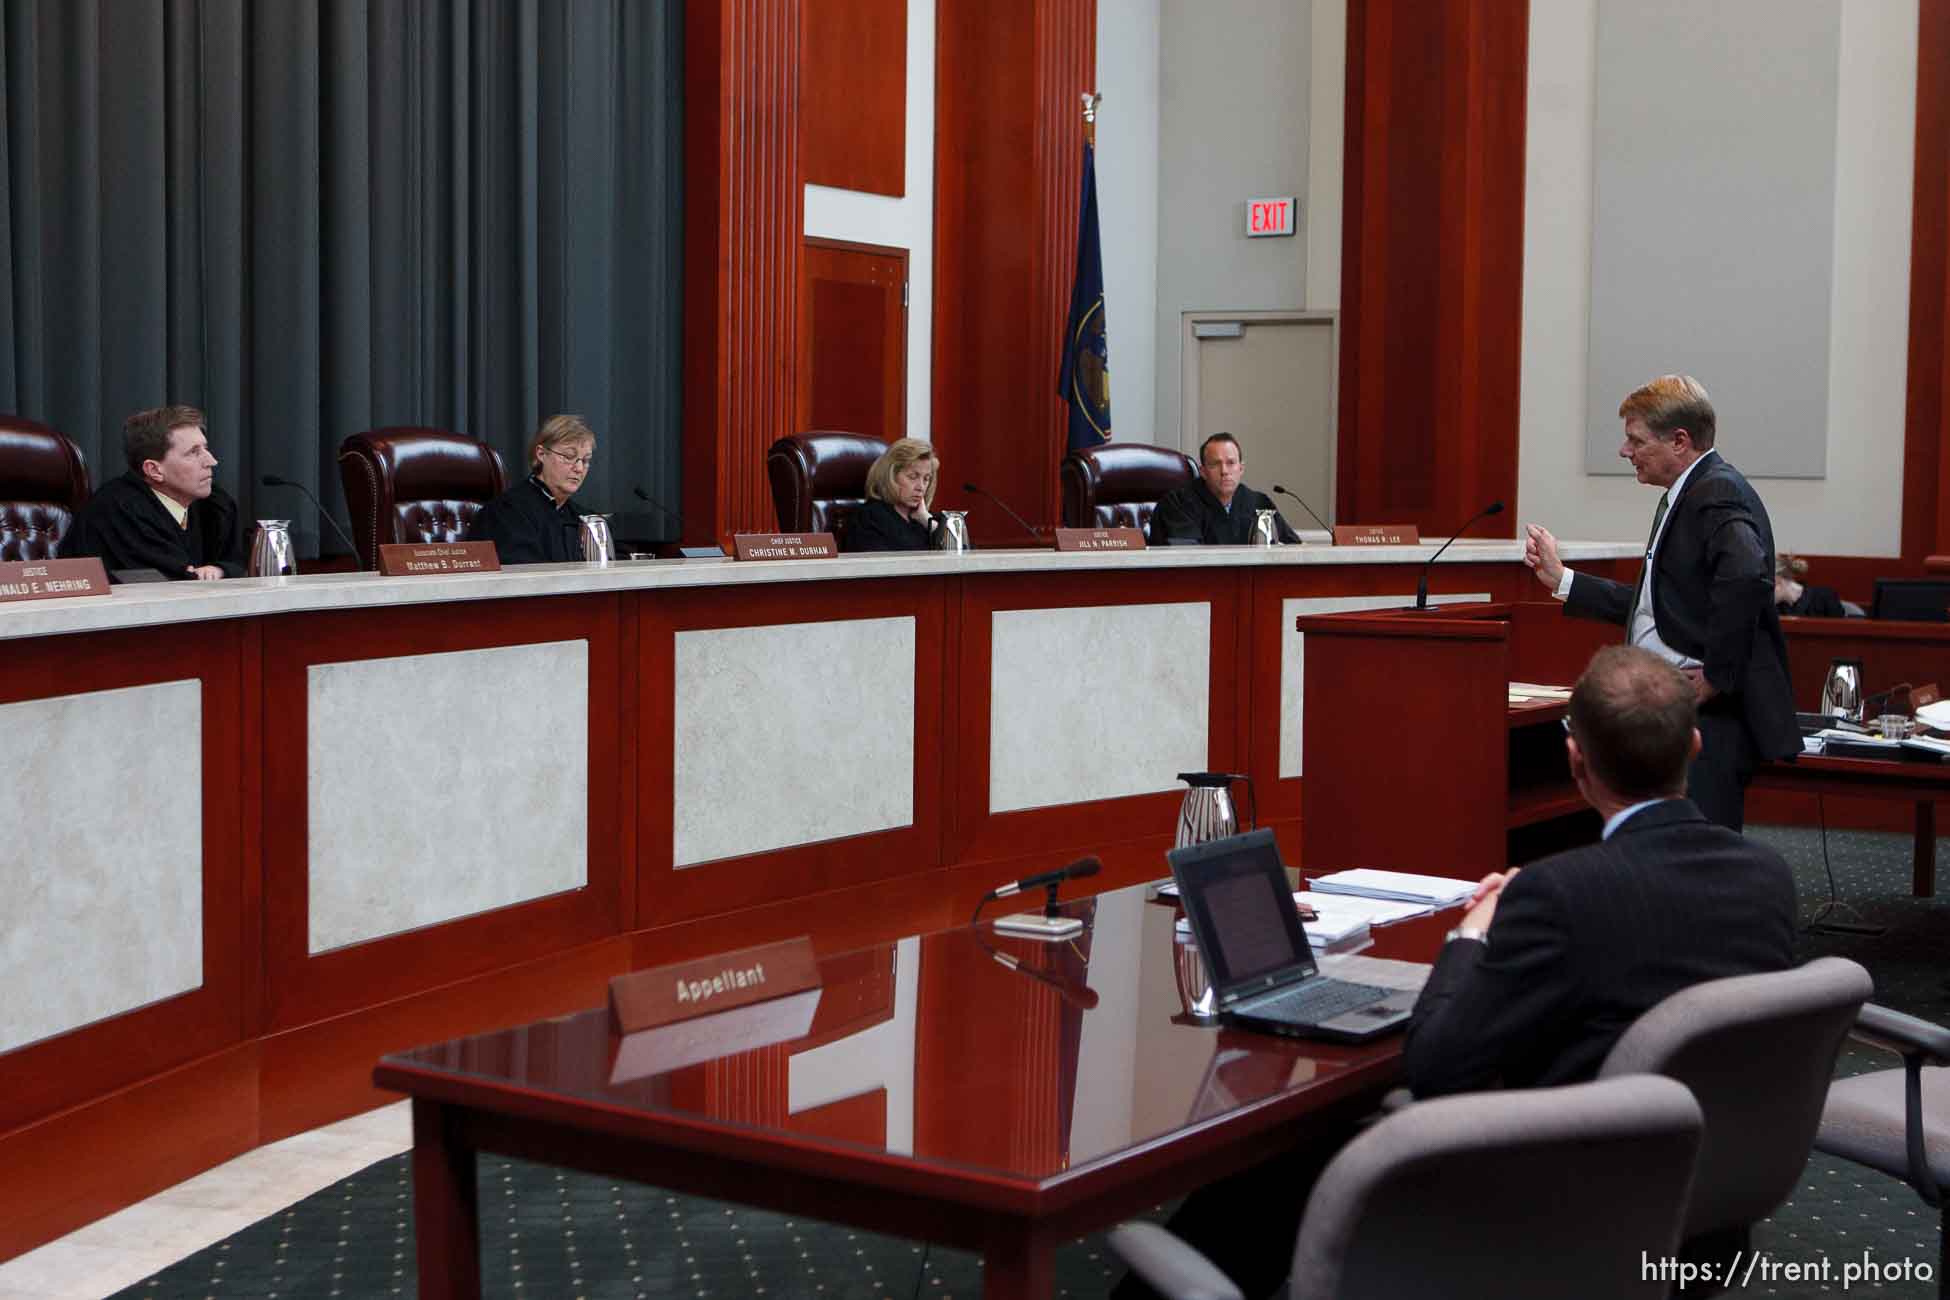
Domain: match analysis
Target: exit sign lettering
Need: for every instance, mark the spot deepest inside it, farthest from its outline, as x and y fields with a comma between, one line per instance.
x=1273, y=216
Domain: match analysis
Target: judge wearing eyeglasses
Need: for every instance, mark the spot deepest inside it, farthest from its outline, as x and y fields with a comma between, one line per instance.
x=538, y=521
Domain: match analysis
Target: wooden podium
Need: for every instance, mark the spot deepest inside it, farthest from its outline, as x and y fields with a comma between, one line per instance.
x=1415, y=758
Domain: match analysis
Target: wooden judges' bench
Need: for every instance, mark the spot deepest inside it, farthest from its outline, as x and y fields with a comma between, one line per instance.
x=258, y=833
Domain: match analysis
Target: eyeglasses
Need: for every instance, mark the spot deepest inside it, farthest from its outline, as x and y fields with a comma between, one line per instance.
x=578, y=462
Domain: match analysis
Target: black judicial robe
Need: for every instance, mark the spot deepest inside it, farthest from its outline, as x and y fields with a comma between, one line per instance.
x=126, y=527
x=1192, y=512
x=877, y=526
x=527, y=527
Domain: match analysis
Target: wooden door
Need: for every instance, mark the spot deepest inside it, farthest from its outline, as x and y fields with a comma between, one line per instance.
x=852, y=372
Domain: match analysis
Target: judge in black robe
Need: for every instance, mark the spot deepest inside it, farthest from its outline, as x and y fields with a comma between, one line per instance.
x=537, y=521
x=126, y=524
x=1216, y=508
x=900, y=490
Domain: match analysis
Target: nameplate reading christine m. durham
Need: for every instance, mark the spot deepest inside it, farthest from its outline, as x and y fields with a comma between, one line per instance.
x=51, y=579
x=784, y=546
x=415, y=559
x=1099, y=539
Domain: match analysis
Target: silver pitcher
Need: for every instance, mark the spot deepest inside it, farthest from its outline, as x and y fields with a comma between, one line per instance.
x=1265, y=531
x=597, y=545
x=952, y=535
x=1842, y=691
x=1207, y=812
x=271, y=552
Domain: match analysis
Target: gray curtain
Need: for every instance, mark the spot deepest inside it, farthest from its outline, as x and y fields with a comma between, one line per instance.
x=313, y=217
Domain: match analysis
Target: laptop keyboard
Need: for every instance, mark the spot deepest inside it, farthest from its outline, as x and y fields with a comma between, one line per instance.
x=1319, y=1000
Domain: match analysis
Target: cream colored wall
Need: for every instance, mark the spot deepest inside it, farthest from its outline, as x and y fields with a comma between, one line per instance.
x=1854, y=509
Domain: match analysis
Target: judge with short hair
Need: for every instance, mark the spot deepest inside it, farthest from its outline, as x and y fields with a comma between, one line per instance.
x=1216, y=508
x=166, y=513
x=537, y=520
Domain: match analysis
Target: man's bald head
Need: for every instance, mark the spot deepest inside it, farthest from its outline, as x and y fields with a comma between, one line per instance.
x=1633, y=716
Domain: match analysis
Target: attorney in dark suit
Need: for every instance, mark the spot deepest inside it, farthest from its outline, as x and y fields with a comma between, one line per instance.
x=1553, y=962
x=1705, y=597
x=1216, y=508
x=166, y=513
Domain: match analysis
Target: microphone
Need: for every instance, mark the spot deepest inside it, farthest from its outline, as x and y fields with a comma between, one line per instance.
x=1304, y=506
x=1081, y=996
x=972, y=490
x=1422, y=583
x=670, y=516
x=274, y=480
x=1086, y=866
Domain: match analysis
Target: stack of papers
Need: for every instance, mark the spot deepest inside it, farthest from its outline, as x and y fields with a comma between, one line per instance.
x=1347, y=911
x=1521, y=692
x=1398, y=886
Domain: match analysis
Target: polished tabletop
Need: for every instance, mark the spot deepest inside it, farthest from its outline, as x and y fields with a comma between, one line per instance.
x=995, y=1061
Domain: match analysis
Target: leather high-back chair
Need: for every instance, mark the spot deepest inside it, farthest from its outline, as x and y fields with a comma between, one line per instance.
x=1584, y=1182
x=820, y=477
x=1118, y=484
x=415, y=485
x=43, y=484
x=1758, y=1052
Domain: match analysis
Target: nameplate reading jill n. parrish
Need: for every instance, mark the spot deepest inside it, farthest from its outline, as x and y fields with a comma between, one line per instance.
x=52, y=579
x=1099, y=539
x=677, y=1015
x=1376, y=535
x=784, y=546
x=413, y=559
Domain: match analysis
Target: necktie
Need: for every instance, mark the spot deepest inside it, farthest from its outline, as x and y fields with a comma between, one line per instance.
x=1658, y=517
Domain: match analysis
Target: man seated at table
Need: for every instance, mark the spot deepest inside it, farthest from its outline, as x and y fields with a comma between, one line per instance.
x=1553, y=962
x=1216, y=508
x=166, y=513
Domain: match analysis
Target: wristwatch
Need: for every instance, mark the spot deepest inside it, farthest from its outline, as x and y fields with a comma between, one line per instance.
x=1476, y=932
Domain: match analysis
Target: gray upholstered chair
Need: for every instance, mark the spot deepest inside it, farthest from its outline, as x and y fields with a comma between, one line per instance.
x=1898, y=1121
x=1597, y=1174
x=1758, y=1052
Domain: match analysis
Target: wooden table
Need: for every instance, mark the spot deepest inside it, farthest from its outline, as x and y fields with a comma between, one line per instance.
x=1921, y=784
x=1006, y=1154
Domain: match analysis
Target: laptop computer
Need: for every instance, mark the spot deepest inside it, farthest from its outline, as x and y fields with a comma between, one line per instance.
x=1236, y=895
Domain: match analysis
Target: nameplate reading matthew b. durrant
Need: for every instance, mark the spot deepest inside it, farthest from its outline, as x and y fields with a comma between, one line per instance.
x=415, y=559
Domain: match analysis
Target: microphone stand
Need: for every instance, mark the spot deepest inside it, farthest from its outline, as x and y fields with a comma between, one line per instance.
x=972, y=490
x=1422, y=583
x=1304, y=506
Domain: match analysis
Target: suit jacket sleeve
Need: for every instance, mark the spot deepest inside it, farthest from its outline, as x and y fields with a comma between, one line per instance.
x=223, y=538
x=1600, y=598
x=1174, y=517
x=1485, y=1001
x=515, y=539
x=1740, y=584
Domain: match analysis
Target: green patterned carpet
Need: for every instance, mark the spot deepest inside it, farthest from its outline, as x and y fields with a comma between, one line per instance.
x=551, y=1234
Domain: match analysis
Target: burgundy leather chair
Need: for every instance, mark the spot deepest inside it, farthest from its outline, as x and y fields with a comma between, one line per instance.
x=819, y=478
x=1118, y=484
x=415, y=485
x=43, y=484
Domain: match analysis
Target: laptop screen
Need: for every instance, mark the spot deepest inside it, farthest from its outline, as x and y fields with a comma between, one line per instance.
x=1241, y=907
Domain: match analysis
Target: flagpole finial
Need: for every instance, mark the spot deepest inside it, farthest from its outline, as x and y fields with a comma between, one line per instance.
x=1090, y=101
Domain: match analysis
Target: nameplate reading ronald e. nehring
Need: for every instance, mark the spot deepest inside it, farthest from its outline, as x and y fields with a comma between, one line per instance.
x=673, y=1016
x=52, y=579
x=414, y=559
x=1099, y=539
x=1376, y=535
x=784, y=546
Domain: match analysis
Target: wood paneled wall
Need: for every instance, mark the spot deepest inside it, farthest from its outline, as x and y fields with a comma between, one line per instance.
x=1008, y=165
x=853, y=105
x=743, y=210
x=1432, y=261
x=1926, y=444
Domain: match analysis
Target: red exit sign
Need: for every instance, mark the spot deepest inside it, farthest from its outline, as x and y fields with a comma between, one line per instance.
x=1270, y=216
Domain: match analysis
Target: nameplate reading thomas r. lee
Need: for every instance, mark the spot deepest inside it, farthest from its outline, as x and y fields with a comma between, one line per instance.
x=1099, y=539
x=416, y=559
x=672, y=1016
x=1376, y=535
x=784, y=546
x=52, y=579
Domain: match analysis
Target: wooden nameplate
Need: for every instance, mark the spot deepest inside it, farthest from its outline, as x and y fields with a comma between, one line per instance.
x=1376, y=535
x=417, y=559
x=1099, y=539
x=52, y=579
x=784, y=546
x=672, y=1016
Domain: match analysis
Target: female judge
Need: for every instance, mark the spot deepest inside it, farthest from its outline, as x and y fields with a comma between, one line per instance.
x=536, y=521
x=900, y=488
